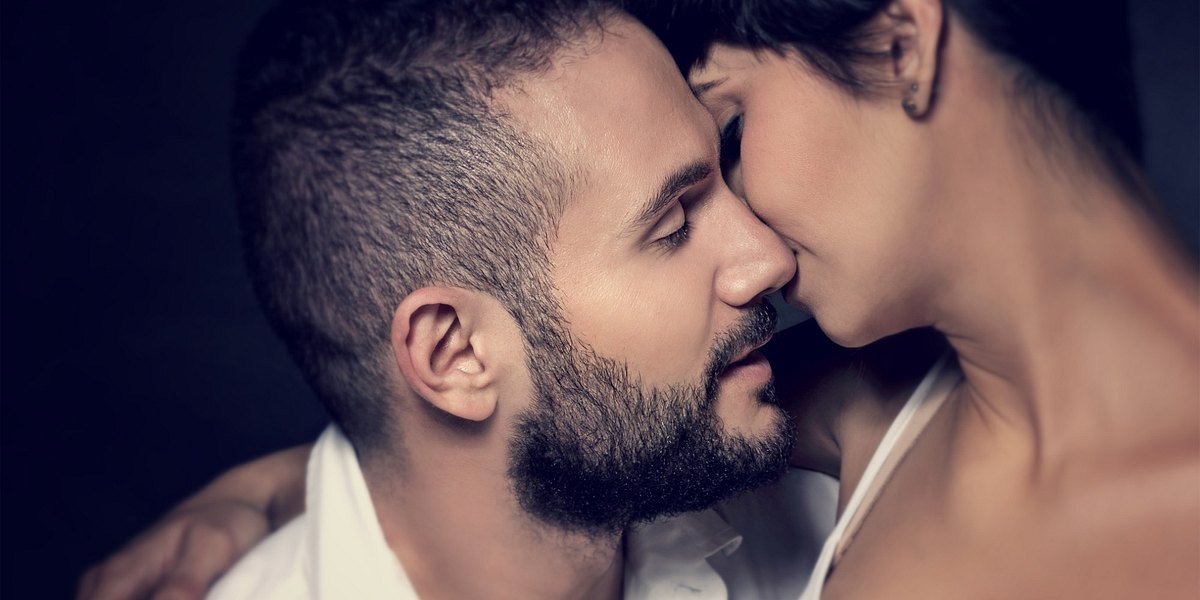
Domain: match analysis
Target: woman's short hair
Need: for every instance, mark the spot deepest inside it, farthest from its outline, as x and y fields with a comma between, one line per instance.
x=1070, y=59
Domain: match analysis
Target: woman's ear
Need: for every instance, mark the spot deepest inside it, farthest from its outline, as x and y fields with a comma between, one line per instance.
x=912, y=30
x=440, y=340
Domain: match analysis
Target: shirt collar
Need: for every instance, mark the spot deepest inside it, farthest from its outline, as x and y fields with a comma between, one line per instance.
x=668, y=557
x=348, y=556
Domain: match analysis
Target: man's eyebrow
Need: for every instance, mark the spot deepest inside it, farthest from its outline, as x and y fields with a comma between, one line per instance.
x=700, y=89
x=674, y=185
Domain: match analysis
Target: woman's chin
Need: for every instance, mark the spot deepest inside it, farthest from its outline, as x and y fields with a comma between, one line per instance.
x=846, y=330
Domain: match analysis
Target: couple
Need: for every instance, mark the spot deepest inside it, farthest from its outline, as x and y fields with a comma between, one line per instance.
x=500, y=243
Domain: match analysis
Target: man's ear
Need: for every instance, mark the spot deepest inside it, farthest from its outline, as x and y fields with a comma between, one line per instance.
x=443, y=346
x=912, y=33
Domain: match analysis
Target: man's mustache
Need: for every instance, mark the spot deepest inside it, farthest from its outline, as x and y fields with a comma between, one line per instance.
x=750, y=331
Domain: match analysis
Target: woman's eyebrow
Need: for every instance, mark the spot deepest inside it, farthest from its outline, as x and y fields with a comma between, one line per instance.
x=699, y=89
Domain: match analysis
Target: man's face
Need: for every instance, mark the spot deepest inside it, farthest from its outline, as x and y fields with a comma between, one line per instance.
x=649, y=399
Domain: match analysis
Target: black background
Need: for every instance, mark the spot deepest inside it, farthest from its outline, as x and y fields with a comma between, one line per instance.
x=136, y=365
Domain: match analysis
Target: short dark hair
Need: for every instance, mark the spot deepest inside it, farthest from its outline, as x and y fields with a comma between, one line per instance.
x=1077, y=51
x=369, y=160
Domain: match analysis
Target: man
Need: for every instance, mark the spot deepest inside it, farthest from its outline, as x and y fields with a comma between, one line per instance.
x=497, y=242
x=759, y=545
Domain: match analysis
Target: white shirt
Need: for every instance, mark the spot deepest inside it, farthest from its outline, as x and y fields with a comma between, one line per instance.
x=761, y=545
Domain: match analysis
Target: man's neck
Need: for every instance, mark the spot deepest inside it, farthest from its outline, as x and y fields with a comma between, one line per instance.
x=459, y=532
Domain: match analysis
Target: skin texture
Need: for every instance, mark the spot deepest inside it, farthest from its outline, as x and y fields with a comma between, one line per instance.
x=845, y=183
x=625, y=123
x=1065, y=463
x=458, y=504
x=624, y=291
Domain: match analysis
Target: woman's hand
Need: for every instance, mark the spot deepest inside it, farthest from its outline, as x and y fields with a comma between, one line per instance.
x=182, y=555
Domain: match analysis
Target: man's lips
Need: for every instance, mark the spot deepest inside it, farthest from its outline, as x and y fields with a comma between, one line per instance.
x=748, y=355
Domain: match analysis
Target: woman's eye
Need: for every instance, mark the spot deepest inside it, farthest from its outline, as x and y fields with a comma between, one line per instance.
x=731, y=143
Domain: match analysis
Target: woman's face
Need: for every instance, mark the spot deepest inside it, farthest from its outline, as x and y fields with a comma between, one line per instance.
x=844, y=181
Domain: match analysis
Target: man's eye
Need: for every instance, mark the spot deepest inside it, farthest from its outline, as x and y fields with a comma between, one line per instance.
x=678, y=237
x=731, y=143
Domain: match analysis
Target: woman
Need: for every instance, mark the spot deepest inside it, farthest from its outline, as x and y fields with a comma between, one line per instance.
x=933, y=164
x=969, y=165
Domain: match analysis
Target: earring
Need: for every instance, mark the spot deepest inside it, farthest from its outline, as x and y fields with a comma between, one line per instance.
x=910, y=105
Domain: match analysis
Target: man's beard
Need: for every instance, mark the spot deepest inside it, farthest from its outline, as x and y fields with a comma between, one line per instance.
x=598, y=451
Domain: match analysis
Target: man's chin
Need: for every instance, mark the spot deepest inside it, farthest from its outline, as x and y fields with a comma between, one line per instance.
x=746, y=410
x=574, y=489
x=597, y=452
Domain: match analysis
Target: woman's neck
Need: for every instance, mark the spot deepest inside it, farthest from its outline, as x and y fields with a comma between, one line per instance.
x=1076, y=323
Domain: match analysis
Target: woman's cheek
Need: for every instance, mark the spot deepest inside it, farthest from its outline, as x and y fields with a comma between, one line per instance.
x=753, y=185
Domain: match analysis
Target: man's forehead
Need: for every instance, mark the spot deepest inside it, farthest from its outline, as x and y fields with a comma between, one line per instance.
x=618, y=111
x=624, y=71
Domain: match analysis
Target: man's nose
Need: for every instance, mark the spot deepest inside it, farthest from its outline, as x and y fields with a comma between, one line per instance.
x=756, y=261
